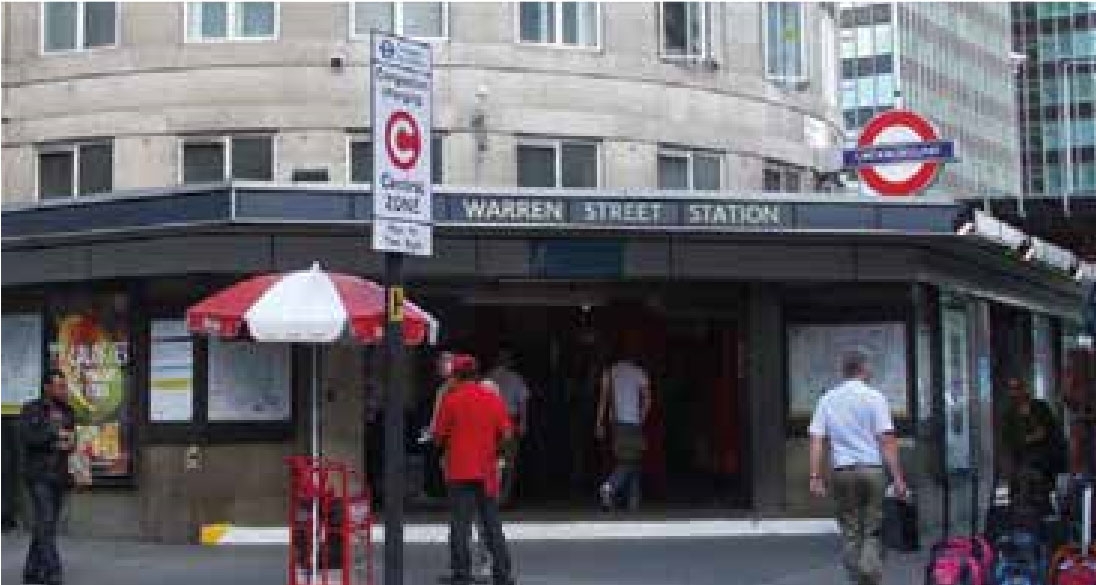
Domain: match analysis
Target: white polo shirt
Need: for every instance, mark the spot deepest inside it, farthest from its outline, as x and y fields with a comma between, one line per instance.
x=852, y=415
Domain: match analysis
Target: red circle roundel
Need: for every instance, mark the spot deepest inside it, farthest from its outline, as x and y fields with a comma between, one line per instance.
x=402, y=140
x=898, y=126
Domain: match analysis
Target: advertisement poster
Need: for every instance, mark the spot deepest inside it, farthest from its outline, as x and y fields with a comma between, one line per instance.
x=171, y=373
x=249, y=382
x=91, y=349
x=957, y=387
x=814, y=362
x=21, y=364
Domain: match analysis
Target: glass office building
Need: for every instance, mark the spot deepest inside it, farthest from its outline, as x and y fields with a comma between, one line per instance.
x=947, y=61
x=1056, y=89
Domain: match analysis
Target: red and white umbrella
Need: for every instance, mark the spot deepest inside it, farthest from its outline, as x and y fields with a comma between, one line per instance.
x=306, y=306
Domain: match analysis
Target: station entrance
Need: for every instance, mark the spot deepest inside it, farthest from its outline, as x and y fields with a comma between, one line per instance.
x=695, y=430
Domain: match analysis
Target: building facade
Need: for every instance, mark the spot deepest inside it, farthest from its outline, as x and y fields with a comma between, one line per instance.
x=1056, y=89
x=948, y=61
x=610, y=176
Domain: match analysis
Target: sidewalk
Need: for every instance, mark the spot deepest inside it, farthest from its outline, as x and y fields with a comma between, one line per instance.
x=783, y=560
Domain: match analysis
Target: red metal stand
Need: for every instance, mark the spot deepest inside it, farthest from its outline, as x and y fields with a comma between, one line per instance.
x=328, y=519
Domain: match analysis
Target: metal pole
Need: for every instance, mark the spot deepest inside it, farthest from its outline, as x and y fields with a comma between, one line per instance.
x=394, y=472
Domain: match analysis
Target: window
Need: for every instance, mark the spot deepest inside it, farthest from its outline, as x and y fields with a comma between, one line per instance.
x=689, y=170
x=684, y=29
x=76, y=26
x=360, y=166
x=423, y=20
x=208, y=160
x=575, y=24
x=231, y=21
x=75, y=169
x=785, y=46
x=557, y=163
x=778, y=177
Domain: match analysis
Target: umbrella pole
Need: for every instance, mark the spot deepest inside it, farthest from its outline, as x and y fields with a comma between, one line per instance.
x=318, y=474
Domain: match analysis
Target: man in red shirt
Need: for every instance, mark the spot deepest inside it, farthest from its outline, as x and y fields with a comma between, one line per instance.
x=472, y=427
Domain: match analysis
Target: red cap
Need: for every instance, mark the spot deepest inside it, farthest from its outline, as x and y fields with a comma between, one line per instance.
x=463, y=363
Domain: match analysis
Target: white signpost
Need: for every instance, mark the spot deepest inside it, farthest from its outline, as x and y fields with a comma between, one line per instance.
x=402, y=83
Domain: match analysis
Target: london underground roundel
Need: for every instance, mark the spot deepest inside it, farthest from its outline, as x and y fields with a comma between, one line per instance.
x=901, y=178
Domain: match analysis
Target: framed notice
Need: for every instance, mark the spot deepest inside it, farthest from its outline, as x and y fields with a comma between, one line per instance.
x=814, y=362
x=249, y=382
x=957, y=389
x=171, y=373
x=21, y=362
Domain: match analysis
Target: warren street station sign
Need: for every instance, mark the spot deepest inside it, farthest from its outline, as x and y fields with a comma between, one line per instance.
x=592, y=211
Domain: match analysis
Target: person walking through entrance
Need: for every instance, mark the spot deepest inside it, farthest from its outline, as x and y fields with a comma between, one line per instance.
x=515, y=393
x=1034, y=447
x=47, y=429
x=855, y=420
x=472, y=428
x=626, y=392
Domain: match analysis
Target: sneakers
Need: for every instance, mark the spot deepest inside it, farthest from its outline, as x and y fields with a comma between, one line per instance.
x=606, y=493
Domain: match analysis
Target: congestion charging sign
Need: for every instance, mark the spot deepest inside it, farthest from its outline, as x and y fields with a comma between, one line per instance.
x=899, y=153
x=401, y=77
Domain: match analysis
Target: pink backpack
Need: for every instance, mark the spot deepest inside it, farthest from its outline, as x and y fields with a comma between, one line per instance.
x=960, y=561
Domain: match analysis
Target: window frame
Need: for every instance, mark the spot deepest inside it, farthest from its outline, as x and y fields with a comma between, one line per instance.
x=804, y=54
x=225, y=140
x=690, y=154
x=557, y=42
x=74, y=149
x=557, y=147
x=230, y=23
x=706, y=50
x=81, y=31
x=398, y=22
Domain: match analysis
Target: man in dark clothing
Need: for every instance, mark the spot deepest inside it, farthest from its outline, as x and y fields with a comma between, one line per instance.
x=47, y=430
x=1033, y=446
x=472, y=427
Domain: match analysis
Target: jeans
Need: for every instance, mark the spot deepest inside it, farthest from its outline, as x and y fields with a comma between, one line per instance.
x=625, y=479
x=467, y=499
x=859, y=494
x=43, y=561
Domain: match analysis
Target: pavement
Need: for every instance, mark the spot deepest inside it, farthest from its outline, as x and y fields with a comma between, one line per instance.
x=742, y=560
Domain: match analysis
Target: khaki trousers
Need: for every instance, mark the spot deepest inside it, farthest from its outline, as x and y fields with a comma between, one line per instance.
x=858, y=492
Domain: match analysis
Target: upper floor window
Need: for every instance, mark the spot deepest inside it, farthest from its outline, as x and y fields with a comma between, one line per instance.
x=76, y=26
x=75, y=169
x=424, y=20
x=685, y=29
x=689, y=170
x=785, y=43
x=778, y=177
x=360, y=155
x=576, y=24
x=231, y=21
x=557, y=163
x=213, y=159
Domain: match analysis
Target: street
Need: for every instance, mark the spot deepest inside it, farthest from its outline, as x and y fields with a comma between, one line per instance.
x=786, y=560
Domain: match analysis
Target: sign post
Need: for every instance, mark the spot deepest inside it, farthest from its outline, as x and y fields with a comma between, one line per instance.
x=401, y=79
x=899, y=153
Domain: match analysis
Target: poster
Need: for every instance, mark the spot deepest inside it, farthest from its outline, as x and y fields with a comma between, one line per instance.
x=814, y=362
x=957, y=387
x=90, y=347
x=171, y=373
x=21, y=378
x=249, y=382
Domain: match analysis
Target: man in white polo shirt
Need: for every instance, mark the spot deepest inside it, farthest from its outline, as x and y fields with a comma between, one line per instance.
x=854, y=419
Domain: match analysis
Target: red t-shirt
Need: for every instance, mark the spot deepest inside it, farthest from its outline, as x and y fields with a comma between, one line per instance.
x=471, y=422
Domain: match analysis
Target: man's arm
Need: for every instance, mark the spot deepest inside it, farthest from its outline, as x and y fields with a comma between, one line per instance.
x=818, y=449
x=889, y=444
x=35, y=428
x=441, y=425
x=644, y=399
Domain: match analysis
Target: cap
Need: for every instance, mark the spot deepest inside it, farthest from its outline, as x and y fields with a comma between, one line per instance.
x=463, y=363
